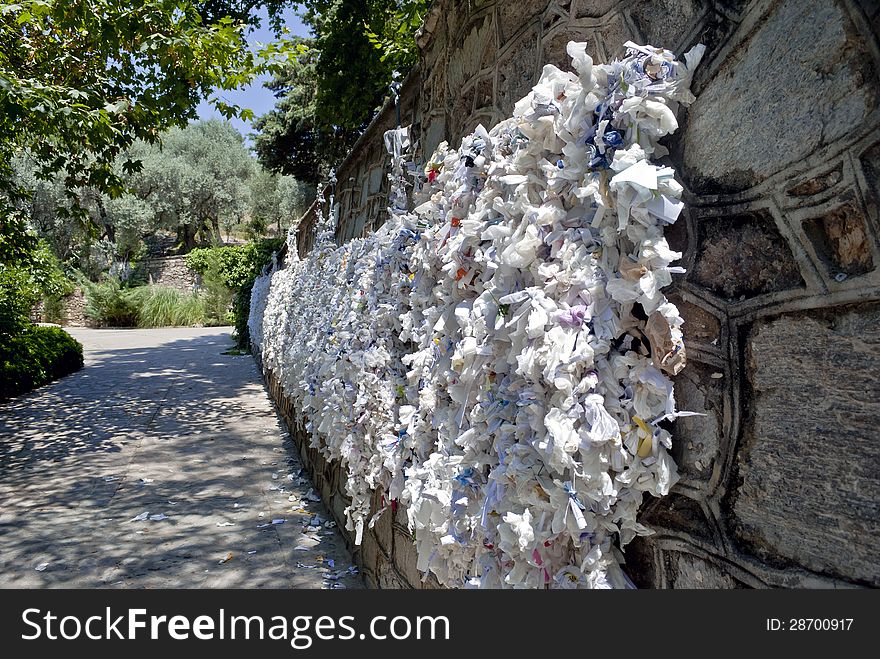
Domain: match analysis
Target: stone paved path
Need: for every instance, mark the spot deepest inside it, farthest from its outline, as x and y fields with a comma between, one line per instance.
x=158, y=421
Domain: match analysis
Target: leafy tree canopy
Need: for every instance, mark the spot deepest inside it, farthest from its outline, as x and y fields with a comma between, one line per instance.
x=199, y=181
x=337, y=82
x=28, y=272
x=82, y=80
x=276, y=200
x=82, y=84
x=290, y=139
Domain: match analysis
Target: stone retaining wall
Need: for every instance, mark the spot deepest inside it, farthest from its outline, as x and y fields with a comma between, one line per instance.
x=74, y=309
x=168, y=271
x=386, y=556
x=780, y=159
x=165, y=271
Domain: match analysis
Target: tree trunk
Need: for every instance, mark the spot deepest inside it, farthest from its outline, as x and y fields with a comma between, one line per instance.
x=215, y=226
x=109, y=229
x=186, y=236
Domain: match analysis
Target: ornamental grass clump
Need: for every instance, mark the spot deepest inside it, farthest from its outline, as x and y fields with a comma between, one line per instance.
x=110, y=304
x=162, y=306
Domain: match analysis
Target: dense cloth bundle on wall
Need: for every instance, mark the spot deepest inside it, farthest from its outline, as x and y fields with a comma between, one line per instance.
x=496, y=358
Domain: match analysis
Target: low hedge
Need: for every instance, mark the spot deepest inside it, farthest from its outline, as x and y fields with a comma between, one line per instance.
x=235, y=267
x=236, y=264
x=241, y=311
x=35, y=357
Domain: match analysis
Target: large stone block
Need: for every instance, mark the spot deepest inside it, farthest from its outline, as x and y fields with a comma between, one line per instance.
x=382, y=527
x=809, y=466
x=462, y=105
x=406, y=557
x=744, y=255
x=514, y=16
x=485, y=117
x=368, y=553
x=664, y=23
x=553, y=47
x=517, y=71
x=375, y=179
x=678, y=234
x=484, y=93
x=840, y=238
x=323, y=485
x=388, y=576
x=688, y=571
x=435, y=134
x=612, y=35
x=592, y=8
x=641, y=564
x=476, y=49
x=697, y=440
x=699, y=324
x=803, y=80
x=337, y=506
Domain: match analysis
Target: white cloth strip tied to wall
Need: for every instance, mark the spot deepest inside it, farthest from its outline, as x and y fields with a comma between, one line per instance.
x=496, y=359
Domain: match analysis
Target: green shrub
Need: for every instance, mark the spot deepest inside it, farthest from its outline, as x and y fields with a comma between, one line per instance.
x=29, y=272
x=18, y=295
x=53, y=309
x=35, y=356
x=30, y=355
x=228, y=273
x=53, y=300
x=242, y=310
x=109, y=304
x=238, y=264
x=112, y=305
x=218, y=296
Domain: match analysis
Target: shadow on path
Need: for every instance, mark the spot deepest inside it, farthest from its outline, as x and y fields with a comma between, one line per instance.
x=158, y=422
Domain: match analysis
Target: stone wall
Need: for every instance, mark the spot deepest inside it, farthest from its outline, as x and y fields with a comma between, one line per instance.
x=387, y=554
x=168, y=271
x=780, y=159
x=74, y=309
x=165, y=271
x=69, y=311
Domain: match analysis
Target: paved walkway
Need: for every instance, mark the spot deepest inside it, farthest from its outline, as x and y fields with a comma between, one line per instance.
x=159, y=424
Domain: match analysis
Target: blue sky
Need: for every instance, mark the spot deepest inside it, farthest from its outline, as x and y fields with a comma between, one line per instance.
x=254, y=96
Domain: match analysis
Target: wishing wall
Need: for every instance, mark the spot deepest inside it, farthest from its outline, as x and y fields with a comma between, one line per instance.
x=779, y=158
